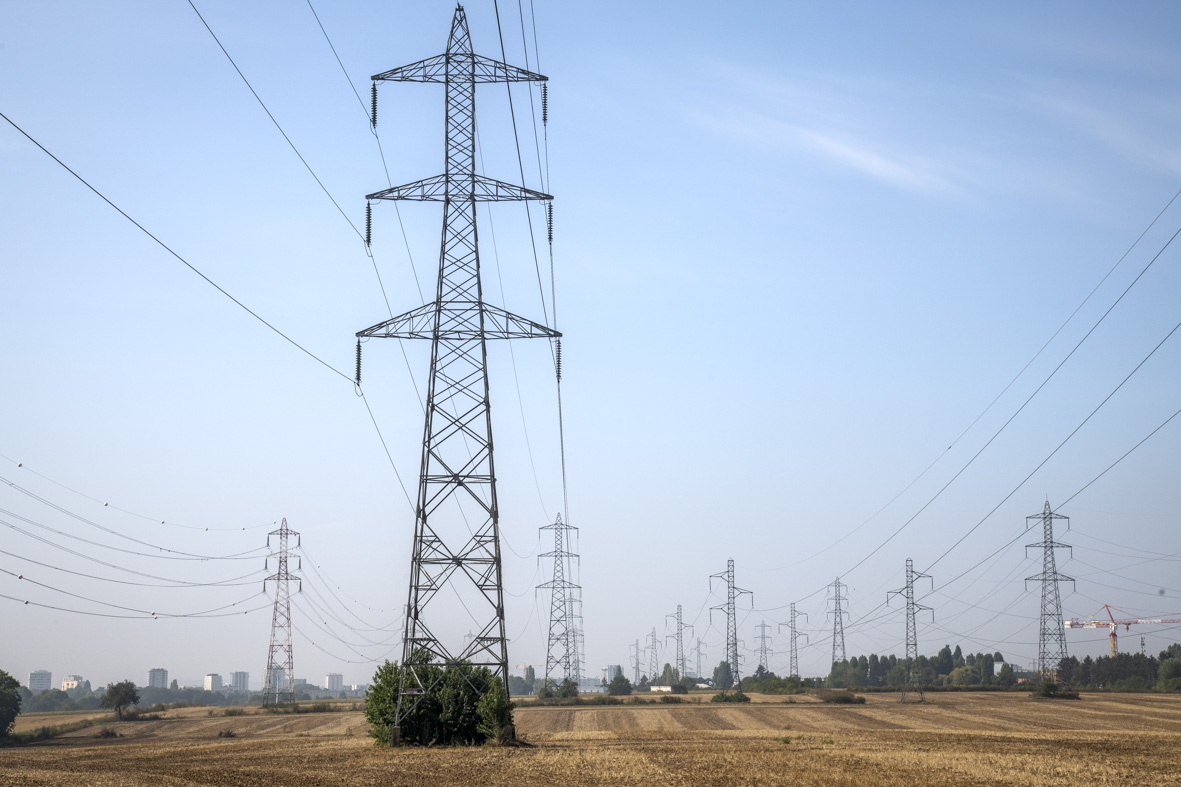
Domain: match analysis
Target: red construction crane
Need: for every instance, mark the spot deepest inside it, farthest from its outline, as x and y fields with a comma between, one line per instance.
x=1113, y=624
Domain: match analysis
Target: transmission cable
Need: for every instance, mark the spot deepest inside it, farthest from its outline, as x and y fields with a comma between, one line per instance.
x=186, y=263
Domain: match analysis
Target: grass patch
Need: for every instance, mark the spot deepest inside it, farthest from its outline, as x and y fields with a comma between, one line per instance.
x=837, y=697
x=594, y=699
x=227, y=734
x=48, y=731
x=108, y=732
x=733, y=696
x=234, y=712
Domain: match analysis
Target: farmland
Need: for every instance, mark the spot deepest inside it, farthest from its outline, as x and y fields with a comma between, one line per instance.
x=978, y=739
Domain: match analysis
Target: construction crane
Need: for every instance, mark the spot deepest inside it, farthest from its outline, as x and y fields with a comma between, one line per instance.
x=1113, y=625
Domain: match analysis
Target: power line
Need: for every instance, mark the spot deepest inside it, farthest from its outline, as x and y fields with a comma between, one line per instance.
x=185, y=262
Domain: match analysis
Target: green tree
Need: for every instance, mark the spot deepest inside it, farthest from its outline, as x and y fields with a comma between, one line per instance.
x=1006, y=677
x=619, y=686
x=448, y=712
x=944, y=663
x=723, y=676
x=530, y=676
x=1171, y=652
x=1169, y=674
x=174, y=686
x=10, y=703
x=957, y=658
x=568, y=689
x=668, y=676
x=119, y=696
x=987, y=668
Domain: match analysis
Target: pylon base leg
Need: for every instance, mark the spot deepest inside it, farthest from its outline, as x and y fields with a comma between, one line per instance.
x=395, y=735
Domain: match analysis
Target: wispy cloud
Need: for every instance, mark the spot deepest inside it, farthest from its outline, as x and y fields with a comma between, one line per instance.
x=894, y=167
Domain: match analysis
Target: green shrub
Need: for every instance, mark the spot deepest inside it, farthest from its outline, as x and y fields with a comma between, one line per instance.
x=227, y=734
x=733, y=696
x=234, y=712
x=669, y=699
x=1052, y=691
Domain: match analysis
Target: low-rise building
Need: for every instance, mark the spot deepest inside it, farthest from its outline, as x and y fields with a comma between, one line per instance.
x=71, y=682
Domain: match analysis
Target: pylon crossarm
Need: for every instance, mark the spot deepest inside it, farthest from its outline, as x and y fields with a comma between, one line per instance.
x=498, y=323
x=433, y=70
x=459, y=188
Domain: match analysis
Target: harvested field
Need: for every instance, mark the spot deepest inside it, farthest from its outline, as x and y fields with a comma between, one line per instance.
x=977, y=739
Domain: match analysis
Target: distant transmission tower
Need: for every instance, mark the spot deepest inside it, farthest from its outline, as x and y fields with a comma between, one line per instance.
x=699, y=651
x=636, y=663
x=1051, y=646
x=562, y=645
x=838, y=620
x=764, y=646
x=457, y=517
x=279, y=682
x=794, y=664
x=912, y=639
x=653, y=658
x=731, y=615
x=679, y=636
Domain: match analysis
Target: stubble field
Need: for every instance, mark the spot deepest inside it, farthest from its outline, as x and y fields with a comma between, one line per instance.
x=976, y=739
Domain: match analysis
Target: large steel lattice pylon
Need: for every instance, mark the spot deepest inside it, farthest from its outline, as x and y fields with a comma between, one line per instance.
x=456, y=530
x=838, y=620
x=679, y=637
x=1051, y=641
x=794, y=662
x=912, y=637
x=279, y=681
x=562, y=649
x=731, y=612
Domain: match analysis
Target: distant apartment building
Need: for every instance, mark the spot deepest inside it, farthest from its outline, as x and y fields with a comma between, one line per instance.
x=240, y=681
x=71, y=682
x=334, y=681
x=213, y=682
x=40, y=680
x=157, y=678
x=610, y=671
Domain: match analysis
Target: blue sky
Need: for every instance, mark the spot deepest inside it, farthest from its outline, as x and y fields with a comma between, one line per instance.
x=798, y=250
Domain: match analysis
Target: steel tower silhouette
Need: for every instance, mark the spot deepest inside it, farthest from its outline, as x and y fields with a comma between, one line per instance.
x=279, y=681
x=838, y=620
x=562, y=644
x=457, y=519
x=1051, y=647
x=912, y=638
x=730, y=609
x=794, y=664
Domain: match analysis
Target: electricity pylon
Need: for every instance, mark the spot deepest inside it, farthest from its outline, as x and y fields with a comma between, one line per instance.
x=764, y=649
x=457, y=518
x=912, y=639
x=794, y=664
x=1051, y=645
x=731, y=615
x=279, y=682
x=653, y=658
x=562, y=645
x=682, y=669
x=838, y=620
x=698, y=651
x=636, y=662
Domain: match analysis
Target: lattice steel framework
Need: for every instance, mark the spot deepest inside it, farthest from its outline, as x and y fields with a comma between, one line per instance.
x=912, y=637
x=764, y=649
x=732, y=593
x=456, y=530
x=680, y=664
x=1051, y=646
x=279, y=680
x=636, y=663
x=653, y=658
x=838, y=620
x=562, y=644
x=699, y=651
x=794, y=663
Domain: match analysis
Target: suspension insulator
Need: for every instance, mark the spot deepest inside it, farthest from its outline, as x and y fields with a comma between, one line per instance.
x=368, y=223
x=373, y=101
x=358, y=362
x=544, y=104
x=549, y=222
x=558, y=353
